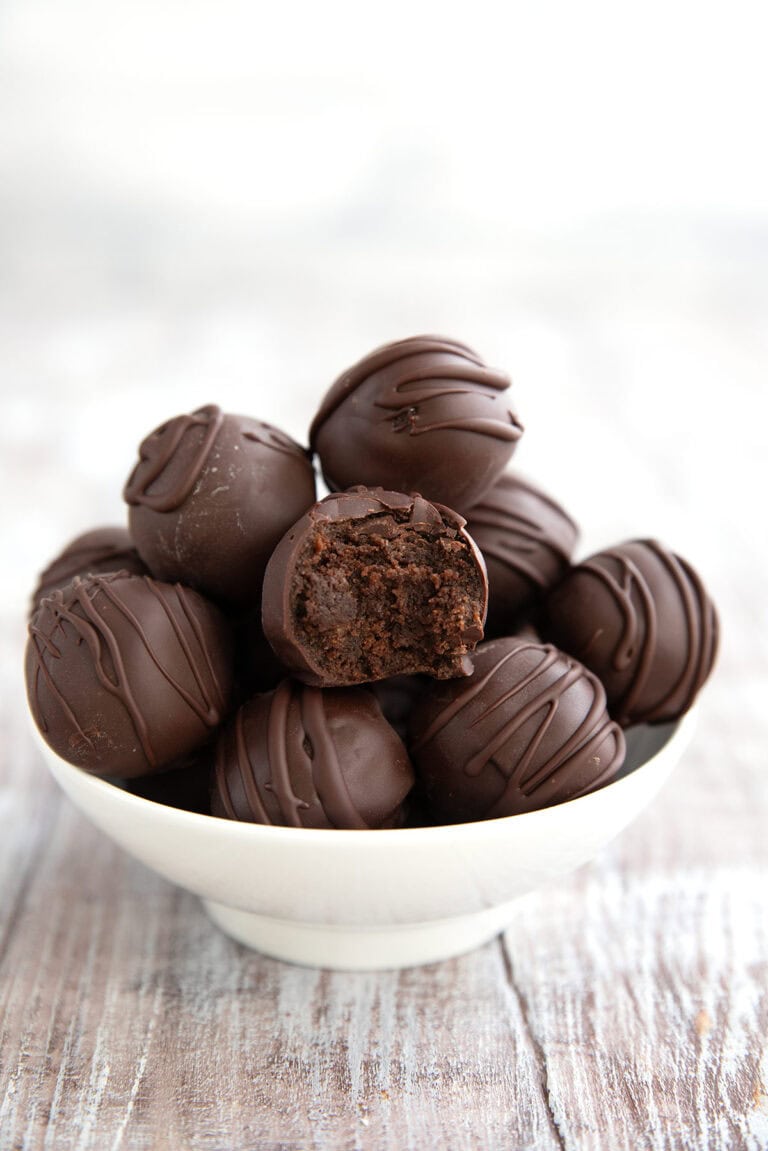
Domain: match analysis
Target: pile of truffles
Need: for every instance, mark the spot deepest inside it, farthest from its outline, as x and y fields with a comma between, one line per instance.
x=415, y=648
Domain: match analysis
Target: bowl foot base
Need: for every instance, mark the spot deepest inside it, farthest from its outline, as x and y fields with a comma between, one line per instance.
x=362, y=948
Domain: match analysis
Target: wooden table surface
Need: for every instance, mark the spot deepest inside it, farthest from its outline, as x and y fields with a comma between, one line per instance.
x=628, y=1007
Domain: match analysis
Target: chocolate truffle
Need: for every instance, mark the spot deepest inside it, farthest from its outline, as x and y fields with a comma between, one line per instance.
x=304, y=757
x=93, y=553
x=210, y=497
x=371, y=584
x=639, y=616
x=126, y=674
x=527, y=730
x=527, y=541
x=420, y=415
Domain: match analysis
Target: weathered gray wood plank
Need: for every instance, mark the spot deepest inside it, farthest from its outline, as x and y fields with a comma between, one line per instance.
x=645, y=981
x=127, y=1016
x=649, y=1043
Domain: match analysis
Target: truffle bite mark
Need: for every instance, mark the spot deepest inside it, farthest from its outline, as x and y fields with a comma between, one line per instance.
x=397, y=590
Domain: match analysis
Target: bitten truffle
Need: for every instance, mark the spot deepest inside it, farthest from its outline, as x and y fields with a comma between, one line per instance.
x=529, y=729
x=639, y=616
x=126, y=674
x=93, y=553
x=303, y=757
x=421, y=415
x=527, y=541
x=210, y=497
x=371, y=584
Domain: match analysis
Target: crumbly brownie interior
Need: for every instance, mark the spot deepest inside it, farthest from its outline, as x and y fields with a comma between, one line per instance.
x=381, y=596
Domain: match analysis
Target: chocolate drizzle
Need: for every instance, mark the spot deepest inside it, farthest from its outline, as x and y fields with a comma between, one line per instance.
x=327, y=775
x=420, y=381
x=703, y=623
x=514, y=541
x=286, y=759
x=210, y=498
x=315, y=759
x=516, y=524
x=384, y=356
x=158, y=451
x=636, y=644
x=546, y=700
x=272, y=437
x=534, y=715
x=654, y=664
x=110, y=616
x=245, y=769
x=420, y=415
x=95, y=552
x=423, y=370
x=279, y=781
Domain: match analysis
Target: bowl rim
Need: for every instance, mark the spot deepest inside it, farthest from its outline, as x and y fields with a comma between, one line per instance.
x=99, y=786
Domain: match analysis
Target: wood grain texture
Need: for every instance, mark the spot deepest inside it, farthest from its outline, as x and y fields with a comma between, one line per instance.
x=136, y=1020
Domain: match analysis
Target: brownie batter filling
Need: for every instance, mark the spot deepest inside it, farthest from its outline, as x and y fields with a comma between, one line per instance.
x=383, y=596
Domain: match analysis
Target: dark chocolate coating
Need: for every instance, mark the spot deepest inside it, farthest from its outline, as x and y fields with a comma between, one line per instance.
x=93, y=553
x=639, y=616
x=257, y=668
x=421, y=415
x=397, y=697
x=210, y=497
x=303, y=757
x=527, y=541
x=186, y=785
x=529, y=729
x=126, y=674
x=370, y=584
x=526, y=630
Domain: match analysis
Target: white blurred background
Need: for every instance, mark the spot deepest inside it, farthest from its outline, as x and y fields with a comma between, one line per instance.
x=230, y=202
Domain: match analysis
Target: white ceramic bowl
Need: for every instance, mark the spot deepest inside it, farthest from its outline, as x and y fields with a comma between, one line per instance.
x=373, y=899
